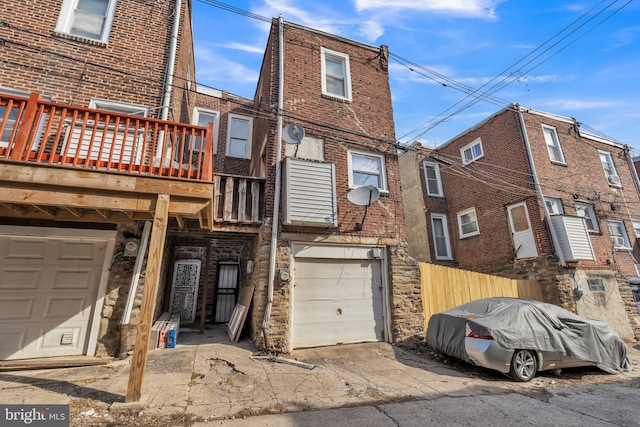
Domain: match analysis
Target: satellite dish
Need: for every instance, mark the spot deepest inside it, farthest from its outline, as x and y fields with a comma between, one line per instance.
x=363, y=196
x=292, y=133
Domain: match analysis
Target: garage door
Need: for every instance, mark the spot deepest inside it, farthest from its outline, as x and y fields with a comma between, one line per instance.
x=49, y=286
x=337, y=302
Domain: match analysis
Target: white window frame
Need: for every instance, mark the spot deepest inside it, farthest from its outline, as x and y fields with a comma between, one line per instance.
x=553, y=144
x=382, y=174
x=10, y=126
x=554, y=205
x=344, y=59
x=609, y=168
x=247, y=151
x=66, y=18
x=436, y=168
x=445, y=228
x=620, y=241
x=590, y=215
x=470, y=212
x=216, y=123
x=636, y=226
x=470, y=146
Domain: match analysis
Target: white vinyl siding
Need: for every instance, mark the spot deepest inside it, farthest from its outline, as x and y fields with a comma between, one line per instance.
x=573, y=237
x=440, y=232
x=432, y=179
x=88, y=19
x=553, y=144
x=309, y=197
x=472, y=152
x=336, y=75
x=468, y=223
x=239, y=136
x=367, y=169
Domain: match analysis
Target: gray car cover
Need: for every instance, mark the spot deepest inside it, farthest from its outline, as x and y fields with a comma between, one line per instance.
x=525, y=324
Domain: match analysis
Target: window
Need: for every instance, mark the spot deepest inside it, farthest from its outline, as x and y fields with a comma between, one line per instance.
x=119, y=107
x=636, y=227
x=553, y=144
x=468, y=223
x=440, y=232
x=89, y=19
x=12, y=116
x=618, y=235
x=609, y=168
x=432, y=178
x=336, y=77
x=202, y=117
x=587, y=212
x=554, y=205
x=239, y=136
x=471, y=152
x=595, y=285
x=367, y=169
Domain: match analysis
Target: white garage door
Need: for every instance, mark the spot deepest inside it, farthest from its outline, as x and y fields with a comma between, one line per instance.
x=337, y=302
x=49, y=286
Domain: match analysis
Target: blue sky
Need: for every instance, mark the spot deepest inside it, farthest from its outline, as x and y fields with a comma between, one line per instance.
x=588, y=68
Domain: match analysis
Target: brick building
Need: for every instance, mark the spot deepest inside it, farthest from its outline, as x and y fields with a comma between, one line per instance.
x=530, y=195
x=128, y=190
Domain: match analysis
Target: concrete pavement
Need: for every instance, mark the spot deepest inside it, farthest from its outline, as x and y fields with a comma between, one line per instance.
x=208, y=379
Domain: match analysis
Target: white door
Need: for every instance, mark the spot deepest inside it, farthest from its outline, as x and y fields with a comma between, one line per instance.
x=524, y=244
x=184, y=291
x=50, y=292
x=337, y=301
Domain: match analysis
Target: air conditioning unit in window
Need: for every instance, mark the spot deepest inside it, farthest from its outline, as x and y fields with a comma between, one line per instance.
x=613, y=180
x=618, y=241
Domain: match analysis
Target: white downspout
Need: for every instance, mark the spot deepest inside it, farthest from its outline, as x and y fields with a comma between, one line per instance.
x=172, y=61
x=554, y=238
x=276, y=201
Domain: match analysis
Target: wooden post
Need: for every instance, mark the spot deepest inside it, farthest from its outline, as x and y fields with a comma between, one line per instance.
x=149, y=295
x=205, y=291
x=207, y=167
x=26, y=125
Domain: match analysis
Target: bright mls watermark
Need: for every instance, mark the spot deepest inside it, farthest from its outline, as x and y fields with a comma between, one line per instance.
x=34, y=415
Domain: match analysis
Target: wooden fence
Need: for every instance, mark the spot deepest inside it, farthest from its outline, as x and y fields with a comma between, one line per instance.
x=444, y=288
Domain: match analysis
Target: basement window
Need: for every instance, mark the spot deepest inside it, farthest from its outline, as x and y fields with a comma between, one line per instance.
x=595, y=285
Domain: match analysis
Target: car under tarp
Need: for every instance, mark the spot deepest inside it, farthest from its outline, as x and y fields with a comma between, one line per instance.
x=525, y=324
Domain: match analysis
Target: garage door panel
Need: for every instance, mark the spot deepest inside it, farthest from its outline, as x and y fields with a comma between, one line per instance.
x=327, y=311
x=16, y=308
x=335, y=333
x=48, y=292
x=328, y=288
x=336, y=301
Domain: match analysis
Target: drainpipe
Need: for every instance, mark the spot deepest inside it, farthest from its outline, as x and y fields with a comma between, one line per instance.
x=172, y=60
x=276, y=201
x=554, y=237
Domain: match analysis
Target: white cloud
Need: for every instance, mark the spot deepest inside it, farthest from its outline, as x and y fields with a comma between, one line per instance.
x=244, y=48
x=471, y=8
x=577, y=104
x=295, y=14
x=371, y=30
x=218, y=71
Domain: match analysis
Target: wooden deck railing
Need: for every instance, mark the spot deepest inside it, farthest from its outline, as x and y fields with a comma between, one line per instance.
x=37, y=131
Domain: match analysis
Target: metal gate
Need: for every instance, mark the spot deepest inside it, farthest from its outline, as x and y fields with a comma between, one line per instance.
x=184, y=292
x=226, y=292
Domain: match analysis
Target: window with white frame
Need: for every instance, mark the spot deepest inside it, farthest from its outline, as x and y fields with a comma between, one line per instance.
x=89, y=19
x=202, y=117
x=11, y=117
x=440, y=232
x=468, y=223
x=239, y=136
x=553, y=144
x=636, y=227
x=336, y=75
x=554, y=205
x=586, y=211
x=367, y=169
x=618, y=234
x=471, y=152
x=609, y=168
x=119, y=107
x=432, y=179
